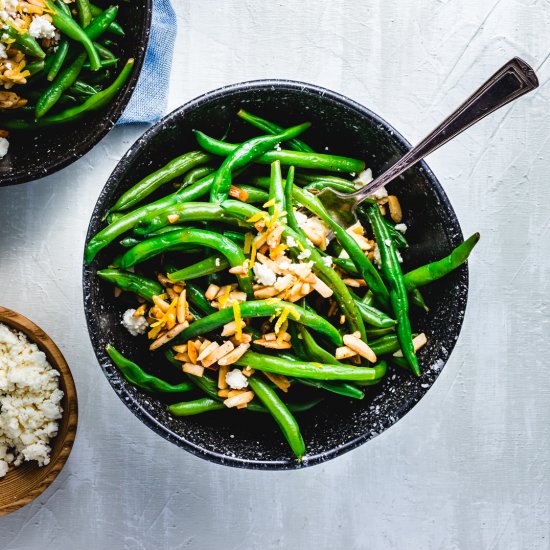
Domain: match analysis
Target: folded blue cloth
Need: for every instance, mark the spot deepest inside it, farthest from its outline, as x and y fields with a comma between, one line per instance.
x=148, y=102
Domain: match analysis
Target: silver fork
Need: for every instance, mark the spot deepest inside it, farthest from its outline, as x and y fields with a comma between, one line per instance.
x=511, y=81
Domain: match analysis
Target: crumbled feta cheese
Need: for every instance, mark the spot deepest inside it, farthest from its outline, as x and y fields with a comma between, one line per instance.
x=40, y=27
x=11, y=5
x=236, y=380
x=291, y=242
x=363, y=178
x=327, y=260
x=3, y=53
x=387, y=242
x=401, y=227
x=29, y=401
x=380, y=193
x=301, y=218
x=399, y=257
x=4, y=146
x=217, y=262
x=263, y=274
x=134, y=325
x=308, y=241
x=304, y=255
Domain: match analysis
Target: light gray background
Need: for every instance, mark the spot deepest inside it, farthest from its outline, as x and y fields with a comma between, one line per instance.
x=468, y=468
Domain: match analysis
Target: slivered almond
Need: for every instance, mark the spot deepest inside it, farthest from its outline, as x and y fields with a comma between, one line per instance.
x=243, y=406
x=207, y=350
x=354, y=283
x=239, y=270
x=178, y=288
x=173, y=218
x=163, y=280
x=181, y=307
x=273, y=345
x=342, y=319
x=192, y=351
x=322, y=288
x=182, y=348
x=183, y=357
x=418, y=342
x=171, y=334
x=217, y=354
x=344, y=353
x=395, y=209
x=223, y=393
x=237, y=296
x=171, y=294
x=359, y=347
x=156, y=312
x=281, y=381
x=271, y=337
x=139, y=312
x=234, y=355
x=161, y=304
x=233, y=393
x=282, y=283
x=211, y=292
x=222, y=384
x=265, y=292
x=248, y=371
x=190, y=368
x=204, y=345
x=241, y=399
x=231, y=328
x=245, y=339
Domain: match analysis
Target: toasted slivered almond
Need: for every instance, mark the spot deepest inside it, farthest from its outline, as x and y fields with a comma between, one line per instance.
x=178, y=288
x=363, y=243
x=241, y=399
x=239, y=270
x=342, y=319
x=322, y=288
x=190, y=368
x=173, y=218
x=161, y=304
x=418, y=342
x=224, y=290
x=271, y=337
x=171, y=334
x=234, y=355
x=231, y=328
x=171, y=294
x=181, y=307
x=237, y=296
x=207, y=350
x=245, y=339
x=233, y=393
x=181, y=348
x=381, y=205
x=139, y=312
x=163, y=280
x=395, y=209
x=217, y=354
x=295, y=293
x=222, y=384
x=282, y=283
x=156, y=312
x=211, y=292
x=248, y=371
x=357, y=334
x=344, y=353
x=355, y=283
x=223, y=393
x=192, y=351
x=203, y=345
x=281, y=381
x=265, y=292
x=243, y=406
x=274, y=236
x=273, y=344
x=117, y=292
x=170, y=320
x=183, y=357
x=359, y=347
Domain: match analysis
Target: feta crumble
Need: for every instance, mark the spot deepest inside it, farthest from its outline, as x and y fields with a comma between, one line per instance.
x=236, y=380
x=401, y=227
x=134, y=325
x=29, y=402
x=264, y=275
x=217, y=262
x=291, y=242
x=304, y=255
x=327, y=260
x=380, y=193
x=40, y=27
x=4, y=146
x=363, y=178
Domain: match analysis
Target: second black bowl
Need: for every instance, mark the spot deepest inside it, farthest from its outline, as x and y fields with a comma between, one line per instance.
x=338, y=425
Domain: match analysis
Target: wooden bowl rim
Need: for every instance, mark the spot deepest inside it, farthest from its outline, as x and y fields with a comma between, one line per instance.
x=70, y=407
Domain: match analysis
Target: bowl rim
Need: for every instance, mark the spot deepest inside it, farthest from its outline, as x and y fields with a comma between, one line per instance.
x=101, y=130
x=19, y=322
x=104, y=361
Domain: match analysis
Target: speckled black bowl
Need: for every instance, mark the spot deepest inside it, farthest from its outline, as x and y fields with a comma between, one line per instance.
x=339, y=424
x=35, y=154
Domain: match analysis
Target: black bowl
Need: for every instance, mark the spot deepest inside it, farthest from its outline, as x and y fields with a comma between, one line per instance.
x=339, y=424
x=35, y=154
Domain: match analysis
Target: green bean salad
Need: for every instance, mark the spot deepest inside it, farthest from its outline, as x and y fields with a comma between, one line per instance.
x=58, y=61
x=245, y=284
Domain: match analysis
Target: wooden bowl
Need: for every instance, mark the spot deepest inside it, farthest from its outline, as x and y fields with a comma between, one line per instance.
x=23, y=484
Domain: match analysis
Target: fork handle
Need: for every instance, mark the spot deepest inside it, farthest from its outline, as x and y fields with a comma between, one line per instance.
x=511, y=81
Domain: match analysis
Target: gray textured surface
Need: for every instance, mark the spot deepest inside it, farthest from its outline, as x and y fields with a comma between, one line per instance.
x=468, y=468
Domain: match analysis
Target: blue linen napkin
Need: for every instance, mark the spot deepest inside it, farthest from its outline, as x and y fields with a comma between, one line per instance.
x=148, y=102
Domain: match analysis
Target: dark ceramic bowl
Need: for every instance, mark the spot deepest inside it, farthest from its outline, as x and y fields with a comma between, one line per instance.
x=35, y=154
x=338, y=425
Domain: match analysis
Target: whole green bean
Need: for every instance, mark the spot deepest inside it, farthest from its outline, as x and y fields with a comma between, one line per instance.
x=298, y=159
x=314, y=350
x=314, y=371
x=287, y=423
x=211, y=264
x=198, y=406
x=58, y=60
x=138, y=377
x=254, y=195
x=378, y=332
x=418, y=300
x=242, y=155
x=146, y=288
x=196, y=174
x=35, y=67
x=84, y=13
x=152, y=182
x=103, y=22
x=432, y=272
x=277, y=192
x=373, y=316
x=338, y=387
x=385, y=344
x=24, y=42
x=272, y=128
x=319, y=185
x=261, y=308
x=105, y=53
x=114, y=27
x=73, y=31
x=398, y=292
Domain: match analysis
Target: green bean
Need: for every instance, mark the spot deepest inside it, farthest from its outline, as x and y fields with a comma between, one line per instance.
x=105, y=53
x=84, y=12
x=314, y=371
x=101, y=23
x=114, y=27
x=146, y=288
x=211, y=264
x=58, y=59
x=418, y=300
x=314, y=350
x=138, y=377
x=128, y=242
x=261, y=308
x=196, y=297
x=130, y=220
x=306, y=178
x=71, y=29
x=24, y=42
x=82, y=88
x=55, y=90
x=93, y=103
x=157, y=245
x=287, y=423
x=338, y=387
x=378, y=332
x=198, y=406
x=272, y=128
x=385, y=345
x=254, y=195
x=35, y=67
x=242, y=155
x=432, y=272
x=319, y=185
x=373, y=316
x=196, y=174
x=398, y=292
x=288, y=158
x=152, y=182
x=277, y=192
x=396, y=236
